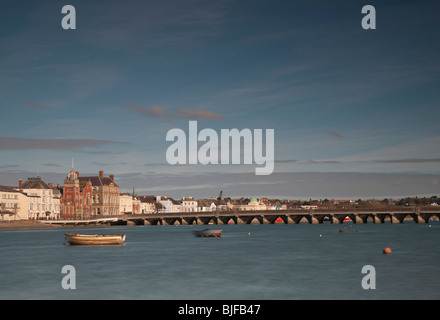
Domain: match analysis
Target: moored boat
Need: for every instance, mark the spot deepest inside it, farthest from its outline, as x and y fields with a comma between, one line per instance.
x=208, y=233
x=76, y=239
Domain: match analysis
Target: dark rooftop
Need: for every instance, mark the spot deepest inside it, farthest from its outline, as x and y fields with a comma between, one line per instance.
x=97, y=180
x=7, y=189
x=34, y=183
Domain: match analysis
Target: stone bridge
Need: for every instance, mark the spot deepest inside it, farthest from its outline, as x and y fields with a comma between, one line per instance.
x=283, y=216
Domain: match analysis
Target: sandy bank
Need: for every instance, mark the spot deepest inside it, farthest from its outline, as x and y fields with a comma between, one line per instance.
x=24, y=225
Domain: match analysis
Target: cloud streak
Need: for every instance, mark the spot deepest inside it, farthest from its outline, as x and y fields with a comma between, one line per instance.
x=336, y=134
x=287, y=185
x=412, y=160
x=157, y=111
x=14, y=143
x=37, y=106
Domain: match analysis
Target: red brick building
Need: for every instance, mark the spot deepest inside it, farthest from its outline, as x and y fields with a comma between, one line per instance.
x=76, y=197
x=105, y=194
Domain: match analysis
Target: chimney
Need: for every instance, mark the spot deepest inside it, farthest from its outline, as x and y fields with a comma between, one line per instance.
x=19, y=182
x=101, y=174
x=112, y=176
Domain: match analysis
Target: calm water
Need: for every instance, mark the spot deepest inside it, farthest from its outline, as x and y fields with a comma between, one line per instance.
x=249, y=262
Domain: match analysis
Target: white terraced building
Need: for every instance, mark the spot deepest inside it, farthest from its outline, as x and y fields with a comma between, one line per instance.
x=44, y=200
x=14, y=205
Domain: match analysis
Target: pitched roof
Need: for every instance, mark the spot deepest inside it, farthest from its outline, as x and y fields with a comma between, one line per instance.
x=97, y=180
x=8, y=189
x=147, y=199
x=34, y=183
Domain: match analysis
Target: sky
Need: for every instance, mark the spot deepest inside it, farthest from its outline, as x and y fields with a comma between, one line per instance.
x=355, y=112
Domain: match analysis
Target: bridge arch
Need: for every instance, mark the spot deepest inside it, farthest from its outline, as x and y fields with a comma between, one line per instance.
x=256, y=220
x=410, y=217
x=231, y=220
x=272, y=219
x=189, y=220
x=304, y=219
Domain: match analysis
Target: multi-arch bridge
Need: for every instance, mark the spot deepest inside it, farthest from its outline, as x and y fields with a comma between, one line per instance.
x=283, y=216
x=294, y=216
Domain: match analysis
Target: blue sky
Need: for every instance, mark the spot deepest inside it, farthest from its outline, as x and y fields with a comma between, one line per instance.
x=347, y=104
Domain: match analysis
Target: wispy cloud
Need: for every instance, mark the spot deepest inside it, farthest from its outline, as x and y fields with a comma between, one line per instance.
x=336, y=134
x=8, y=166
x=401, y=153
x=286, y=161
x=13, y=143
x=161, y=112
x=35, y=105
x=154, y=111
x=320, y=162
x=291, y=185
x=50, y=164
x=199, y=114
x=412, y=160
x=105, y=164
x=120, y=25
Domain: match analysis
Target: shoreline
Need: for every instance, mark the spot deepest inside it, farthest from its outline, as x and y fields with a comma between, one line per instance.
x=35, y=224
x=29, y=224
x=11, y=225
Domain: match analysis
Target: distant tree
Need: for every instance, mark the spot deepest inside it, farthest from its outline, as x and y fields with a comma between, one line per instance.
x=417, y=201
x=158, y=206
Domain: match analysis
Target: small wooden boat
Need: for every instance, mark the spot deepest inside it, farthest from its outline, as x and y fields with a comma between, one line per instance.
x=76, y=239
x=208, y=233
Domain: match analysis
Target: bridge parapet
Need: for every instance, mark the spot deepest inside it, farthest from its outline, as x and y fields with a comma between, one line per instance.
x=287, y=216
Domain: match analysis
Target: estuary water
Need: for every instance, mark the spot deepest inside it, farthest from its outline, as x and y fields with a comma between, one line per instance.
x=257, y=262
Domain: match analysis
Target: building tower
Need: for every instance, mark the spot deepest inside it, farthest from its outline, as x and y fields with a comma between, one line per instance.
x=76, y=200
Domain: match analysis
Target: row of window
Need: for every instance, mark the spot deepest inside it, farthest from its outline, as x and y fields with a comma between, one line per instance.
x=36, y=207
x=95, y=189
x=43, y=199
x=9, y=205
x=96, y=199
x=10, y=196
x=69, y=210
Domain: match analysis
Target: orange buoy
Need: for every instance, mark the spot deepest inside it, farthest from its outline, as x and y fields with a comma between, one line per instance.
x=387, y=250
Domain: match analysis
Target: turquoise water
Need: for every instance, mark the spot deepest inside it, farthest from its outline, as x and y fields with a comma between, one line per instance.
x=260, y=262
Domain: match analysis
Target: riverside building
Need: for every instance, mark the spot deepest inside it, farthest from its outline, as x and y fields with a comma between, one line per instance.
x=14, y=204
x=76, y=199
x=44, y=200
x=105, y=194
